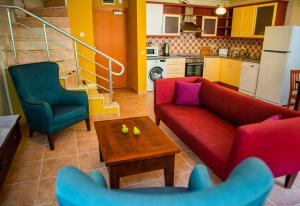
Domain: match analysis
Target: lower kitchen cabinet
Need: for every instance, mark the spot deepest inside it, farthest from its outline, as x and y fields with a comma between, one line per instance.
x=175, y=67
x=211, y=70
x=230, y=71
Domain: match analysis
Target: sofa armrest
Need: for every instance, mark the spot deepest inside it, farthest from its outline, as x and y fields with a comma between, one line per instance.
x=275, y=142
x=38, y=114
x=80, y=98
x=199, y=179
x=164, y=89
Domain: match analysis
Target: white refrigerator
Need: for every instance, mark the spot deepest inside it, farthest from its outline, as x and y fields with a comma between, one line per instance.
x=281, y=53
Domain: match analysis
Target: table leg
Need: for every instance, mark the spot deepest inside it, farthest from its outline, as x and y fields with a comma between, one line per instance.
x=101, y=156
x=296, y=107
x=169, y=171
x=114, y=178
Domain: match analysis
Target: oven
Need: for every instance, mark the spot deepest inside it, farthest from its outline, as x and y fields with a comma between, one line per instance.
x=194, y=66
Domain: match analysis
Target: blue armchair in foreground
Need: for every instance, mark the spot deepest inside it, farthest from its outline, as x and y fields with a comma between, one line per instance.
x=48, y=107
x=248, y=185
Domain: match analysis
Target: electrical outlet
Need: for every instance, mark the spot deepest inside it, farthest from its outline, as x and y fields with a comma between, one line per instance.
x=81, y=34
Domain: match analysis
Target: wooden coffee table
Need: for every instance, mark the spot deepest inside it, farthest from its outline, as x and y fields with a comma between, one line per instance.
x=126, y=154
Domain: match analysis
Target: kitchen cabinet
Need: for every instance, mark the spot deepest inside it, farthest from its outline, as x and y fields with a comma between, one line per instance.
x=237, y=21
x=154, y=19
x=250, y=21
x=230, y=71
x=211, y=70
x=265, y=16
x=175, y=67
x=171, y=24
x=209, y=26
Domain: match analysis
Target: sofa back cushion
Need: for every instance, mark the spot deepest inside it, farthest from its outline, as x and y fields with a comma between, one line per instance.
x=238, y=108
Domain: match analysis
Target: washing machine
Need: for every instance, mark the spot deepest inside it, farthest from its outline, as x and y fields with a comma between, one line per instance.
x=155, y=70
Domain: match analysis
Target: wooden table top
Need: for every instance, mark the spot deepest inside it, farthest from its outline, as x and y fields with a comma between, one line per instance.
x=117, y=148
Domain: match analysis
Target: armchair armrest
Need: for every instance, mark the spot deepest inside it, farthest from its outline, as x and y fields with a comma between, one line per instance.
x=40, y=113
x=275, y=142
x=80, y=98
x=199, y=179
x=164, y=89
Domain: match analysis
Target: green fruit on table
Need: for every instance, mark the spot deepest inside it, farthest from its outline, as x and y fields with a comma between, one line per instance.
x=136, y=131
x=124, y=129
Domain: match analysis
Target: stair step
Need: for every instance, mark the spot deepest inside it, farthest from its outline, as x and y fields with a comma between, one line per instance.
x=53, y=3
x=60, y=11
x=24, y=32
x=34, y=44
x=60, y=22
x=25, y=58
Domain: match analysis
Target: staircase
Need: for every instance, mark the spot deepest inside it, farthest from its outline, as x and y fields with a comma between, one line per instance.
x=31, y=46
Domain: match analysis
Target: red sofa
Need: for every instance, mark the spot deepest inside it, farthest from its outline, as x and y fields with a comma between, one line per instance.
x=228, y=127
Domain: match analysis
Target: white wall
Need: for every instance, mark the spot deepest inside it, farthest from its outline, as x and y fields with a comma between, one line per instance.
x=293, y=13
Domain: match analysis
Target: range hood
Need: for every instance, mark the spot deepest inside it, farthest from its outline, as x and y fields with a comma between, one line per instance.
x=188, y=24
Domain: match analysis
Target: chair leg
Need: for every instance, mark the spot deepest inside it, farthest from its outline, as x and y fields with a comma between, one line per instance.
x=50, y=141
x=31, y=131
x=157, y=120
x=289, y=180
x=88, y=124
x=289, y=101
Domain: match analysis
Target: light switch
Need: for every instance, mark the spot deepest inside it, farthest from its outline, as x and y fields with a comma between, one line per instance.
x=120, y=1
x=81, y=34
x=143, y=52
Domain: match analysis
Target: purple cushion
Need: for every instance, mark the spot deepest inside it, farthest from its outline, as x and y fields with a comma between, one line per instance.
x=187, y=93
x=274, y=118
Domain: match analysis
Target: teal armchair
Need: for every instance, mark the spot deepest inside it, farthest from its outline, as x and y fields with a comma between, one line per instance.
x=248, y=185
x=48, y=107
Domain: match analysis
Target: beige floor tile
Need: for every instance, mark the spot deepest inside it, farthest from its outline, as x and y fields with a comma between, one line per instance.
x=84, y=134
x=90, y=161
x=182, y=179
x=19, y=194
x=191, y=158
x=50, y=167
x=181, y=165
x=23, y=171
x=138, y=178
x=152, y=183
x=62, y=148
x=30, y=150
x=65, y=135
x=46, y=191
x=282, y=196
x=87, y=145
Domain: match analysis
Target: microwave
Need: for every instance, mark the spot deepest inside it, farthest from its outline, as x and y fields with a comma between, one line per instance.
x=152, y=51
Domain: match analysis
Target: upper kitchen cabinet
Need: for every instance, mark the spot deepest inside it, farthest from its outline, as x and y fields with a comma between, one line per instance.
x=154, y=19
x=171, y=24
x=251, y=21
x=265, y=16
x=209, y=26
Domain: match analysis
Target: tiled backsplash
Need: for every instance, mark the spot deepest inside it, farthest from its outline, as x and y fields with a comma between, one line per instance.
x=188, y=43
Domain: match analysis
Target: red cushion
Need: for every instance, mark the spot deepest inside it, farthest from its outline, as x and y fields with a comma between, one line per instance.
x=237, y=108
x=209, y=136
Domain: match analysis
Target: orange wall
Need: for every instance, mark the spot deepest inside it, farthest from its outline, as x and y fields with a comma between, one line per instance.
x=136, y=21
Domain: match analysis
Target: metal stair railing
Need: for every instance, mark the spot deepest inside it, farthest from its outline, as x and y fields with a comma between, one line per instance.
x=75, y=41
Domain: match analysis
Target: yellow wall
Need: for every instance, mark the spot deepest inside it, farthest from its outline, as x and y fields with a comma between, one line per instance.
x=81, y=20
x=136, y=22
x=293, y=13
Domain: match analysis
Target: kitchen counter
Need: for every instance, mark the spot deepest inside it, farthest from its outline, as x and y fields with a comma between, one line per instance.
x=239, y=59
x=175, y=56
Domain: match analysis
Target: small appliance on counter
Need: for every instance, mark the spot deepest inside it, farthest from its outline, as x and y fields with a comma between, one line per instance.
x=166, y=49
x=223, y=52
x=152, y=51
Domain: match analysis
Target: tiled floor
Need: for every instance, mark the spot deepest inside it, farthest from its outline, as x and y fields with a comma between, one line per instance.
x=31, y=179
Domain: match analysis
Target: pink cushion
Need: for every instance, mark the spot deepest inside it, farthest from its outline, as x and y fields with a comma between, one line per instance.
x=187, y=93
x=275, y=117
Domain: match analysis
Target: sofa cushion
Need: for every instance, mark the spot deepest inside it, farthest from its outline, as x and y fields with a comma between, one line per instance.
x=238, y=108
x=62, y=113
x=187, y=93
x=208, y=135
